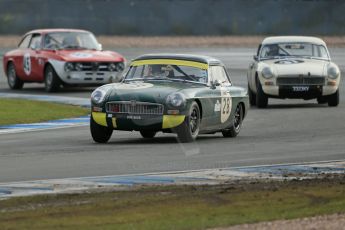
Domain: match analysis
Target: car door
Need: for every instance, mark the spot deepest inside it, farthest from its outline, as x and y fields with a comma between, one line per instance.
x=222, y=97
x=18, y=58
x=33, y=63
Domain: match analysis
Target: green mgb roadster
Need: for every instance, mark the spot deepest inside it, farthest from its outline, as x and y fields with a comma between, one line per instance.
x=184, y=94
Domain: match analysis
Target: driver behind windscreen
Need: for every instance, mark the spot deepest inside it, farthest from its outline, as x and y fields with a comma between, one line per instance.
x=273, y=50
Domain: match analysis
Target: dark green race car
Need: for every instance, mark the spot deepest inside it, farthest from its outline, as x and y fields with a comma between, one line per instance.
x=185, y=94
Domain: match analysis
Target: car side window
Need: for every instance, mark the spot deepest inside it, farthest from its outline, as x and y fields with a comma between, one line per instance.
x=219, y=73
x=25, y=42
x=323, y=52
x=35, y=41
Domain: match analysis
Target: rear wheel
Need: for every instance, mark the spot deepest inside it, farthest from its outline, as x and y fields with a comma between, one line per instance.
x=189, y=129
x=12, y=79
x=261, y=98
x=148, y=134
x=333, y=100
x=99, y=133
x=252, y=96
x=235, y=129
x=51, y=79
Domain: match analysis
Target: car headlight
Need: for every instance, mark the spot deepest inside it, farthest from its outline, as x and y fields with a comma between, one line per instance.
x=99, y=94
x=69, y=66
x=120, y=66
x=267, y=72
x=333, y=72
x=112, y=67
x=176, y=99
x=79, y=67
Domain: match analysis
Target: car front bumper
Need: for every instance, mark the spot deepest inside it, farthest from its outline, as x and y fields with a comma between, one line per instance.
x=131, y=122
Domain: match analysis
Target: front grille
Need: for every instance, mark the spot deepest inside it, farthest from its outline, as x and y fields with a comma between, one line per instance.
x=301, y=80
x=134, y=107
x=94, y=66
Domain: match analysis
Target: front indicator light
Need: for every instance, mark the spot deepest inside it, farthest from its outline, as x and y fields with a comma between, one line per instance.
x=173, y=112
x=332, y=83
x=269, y=83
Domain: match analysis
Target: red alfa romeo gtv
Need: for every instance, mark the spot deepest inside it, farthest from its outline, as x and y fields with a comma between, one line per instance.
x=61, y=57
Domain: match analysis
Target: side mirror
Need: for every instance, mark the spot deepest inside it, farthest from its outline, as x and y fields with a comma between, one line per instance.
x=100, y=47
x=215, y=83
x=255, y=57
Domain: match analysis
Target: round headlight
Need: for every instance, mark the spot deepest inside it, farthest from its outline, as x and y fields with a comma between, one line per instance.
x=176, y=99
x=267, y=72
x=120, y=66
x=69, y=66
x=112, y=67
x=98, y=95
x=79, y=67
x=333, y=72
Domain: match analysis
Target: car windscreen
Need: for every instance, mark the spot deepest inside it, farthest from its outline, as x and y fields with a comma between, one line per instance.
x=169, y=71
x=306, y=50
x=70, y=40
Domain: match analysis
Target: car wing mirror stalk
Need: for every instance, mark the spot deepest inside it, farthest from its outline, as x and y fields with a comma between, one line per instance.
x=255, y=57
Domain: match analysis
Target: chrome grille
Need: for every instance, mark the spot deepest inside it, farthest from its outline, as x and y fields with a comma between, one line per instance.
x=300, y=80
x=134, y=107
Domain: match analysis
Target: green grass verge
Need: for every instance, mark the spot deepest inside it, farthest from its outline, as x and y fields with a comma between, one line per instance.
x=16, y=111
x=176, y=207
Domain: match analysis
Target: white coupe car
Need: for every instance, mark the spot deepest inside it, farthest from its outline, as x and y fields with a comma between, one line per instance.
x=293, y=67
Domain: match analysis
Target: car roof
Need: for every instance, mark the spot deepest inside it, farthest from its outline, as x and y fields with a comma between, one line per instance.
x=45, y=31
x=282, y=39
x=186, y=57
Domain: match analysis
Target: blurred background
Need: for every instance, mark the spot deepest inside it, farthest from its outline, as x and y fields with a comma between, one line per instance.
x=176, y=17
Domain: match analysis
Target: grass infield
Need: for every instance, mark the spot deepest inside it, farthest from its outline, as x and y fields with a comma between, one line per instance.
x=176, y=207
x=17, y=111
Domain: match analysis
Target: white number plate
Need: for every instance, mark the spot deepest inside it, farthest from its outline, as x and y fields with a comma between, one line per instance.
x=300, y=88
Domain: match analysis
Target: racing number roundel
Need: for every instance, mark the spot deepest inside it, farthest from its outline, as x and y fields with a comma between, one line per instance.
x=27, y=64
x=225, y=106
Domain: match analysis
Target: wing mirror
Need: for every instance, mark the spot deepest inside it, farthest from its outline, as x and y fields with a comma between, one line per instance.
x=255, y=57
x=215, y=83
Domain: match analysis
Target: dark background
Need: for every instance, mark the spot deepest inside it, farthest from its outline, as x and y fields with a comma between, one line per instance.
x=176, y=17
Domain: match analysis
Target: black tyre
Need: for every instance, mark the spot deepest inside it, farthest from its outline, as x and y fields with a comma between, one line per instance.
x=189, y=129
x=252, y=96
x=333, y=100
x=12, y=79
x=261, y=98
x=51, y=79
x=148, y=134
x=235, y=129
x=99, y=133
x=322, y=100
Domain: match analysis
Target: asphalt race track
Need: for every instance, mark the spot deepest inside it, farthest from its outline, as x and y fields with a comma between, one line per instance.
x=288, y=131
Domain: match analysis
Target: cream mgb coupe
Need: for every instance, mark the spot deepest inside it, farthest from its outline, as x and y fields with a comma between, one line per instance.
x=293, y=67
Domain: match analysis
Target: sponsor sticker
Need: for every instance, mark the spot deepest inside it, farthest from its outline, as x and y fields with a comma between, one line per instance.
x=81, y=55
x=217, y=106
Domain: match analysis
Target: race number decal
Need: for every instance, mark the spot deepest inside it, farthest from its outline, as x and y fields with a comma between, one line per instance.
x=225, y=107
x=27, y=64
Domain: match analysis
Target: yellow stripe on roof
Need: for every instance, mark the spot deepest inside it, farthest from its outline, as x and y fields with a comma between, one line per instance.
x=199, y=65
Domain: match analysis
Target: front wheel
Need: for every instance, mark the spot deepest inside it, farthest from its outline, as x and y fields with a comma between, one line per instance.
x=333, y=100
x=12, y=79
x=51, y=79
x=261, y=97
x=235, y=129
x=189, y=129
x=252, y=96
x=99, y=133
x=148, y=134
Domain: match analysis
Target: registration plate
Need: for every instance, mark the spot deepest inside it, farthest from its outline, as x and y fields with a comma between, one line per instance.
x=300, y=88
x=134, y=117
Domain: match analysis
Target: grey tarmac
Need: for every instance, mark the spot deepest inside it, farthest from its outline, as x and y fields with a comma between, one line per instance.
x=288, y=131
